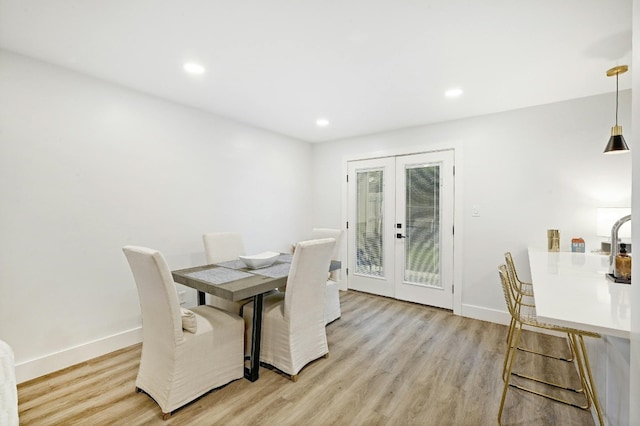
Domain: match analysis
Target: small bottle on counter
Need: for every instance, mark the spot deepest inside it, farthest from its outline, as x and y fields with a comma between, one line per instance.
x=577, y=245
x=623, y=263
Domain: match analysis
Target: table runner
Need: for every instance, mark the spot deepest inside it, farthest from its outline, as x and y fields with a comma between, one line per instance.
x=218, y=275
x=232, y=264
x=285, y=258
x=278, y=270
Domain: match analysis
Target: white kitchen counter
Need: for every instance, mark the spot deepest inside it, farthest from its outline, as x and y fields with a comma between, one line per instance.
x=571, y=290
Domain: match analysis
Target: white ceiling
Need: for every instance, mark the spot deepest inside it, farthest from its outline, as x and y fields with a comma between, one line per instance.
x=366, y=65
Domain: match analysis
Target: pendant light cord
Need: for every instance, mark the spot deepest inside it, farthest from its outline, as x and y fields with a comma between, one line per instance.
x=617, y=74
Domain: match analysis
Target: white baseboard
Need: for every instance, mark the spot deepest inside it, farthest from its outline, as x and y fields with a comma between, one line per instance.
x=33, y=368
x=485, y=314
x=47, y=364
x=498, y=317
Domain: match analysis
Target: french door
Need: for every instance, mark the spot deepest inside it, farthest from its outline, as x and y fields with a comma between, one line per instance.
x=400, y=231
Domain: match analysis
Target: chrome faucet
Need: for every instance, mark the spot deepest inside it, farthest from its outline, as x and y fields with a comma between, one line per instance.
x=614, y=243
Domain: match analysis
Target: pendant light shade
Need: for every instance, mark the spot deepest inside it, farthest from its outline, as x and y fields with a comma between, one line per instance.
x=617, y=144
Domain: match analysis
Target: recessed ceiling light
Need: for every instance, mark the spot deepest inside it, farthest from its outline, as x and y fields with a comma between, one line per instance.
x=453, y=93
x=193, y=68
x=322, y=122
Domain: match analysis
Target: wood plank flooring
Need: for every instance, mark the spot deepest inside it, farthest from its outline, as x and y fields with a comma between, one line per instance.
x=391, y=363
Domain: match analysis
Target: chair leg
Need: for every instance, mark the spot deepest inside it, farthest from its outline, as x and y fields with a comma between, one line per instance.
x=581, y=370
x=507, y=354
x=138, y=390
x=165, y=416
x=326, y=355
x=294, y=378
x=510, y=332
x=582, y=360
x=510, y=346
x=509, y=358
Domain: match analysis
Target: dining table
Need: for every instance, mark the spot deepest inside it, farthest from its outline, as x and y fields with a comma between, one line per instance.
x=233, y=280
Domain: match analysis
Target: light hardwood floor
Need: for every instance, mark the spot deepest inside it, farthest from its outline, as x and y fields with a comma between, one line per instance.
x=391, y=363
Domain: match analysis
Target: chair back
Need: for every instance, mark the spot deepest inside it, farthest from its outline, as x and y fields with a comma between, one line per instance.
x=222, y=246
x=511, y=268
x=507, y=289
x=336, y=234
x=161, y=320
x=306, y=284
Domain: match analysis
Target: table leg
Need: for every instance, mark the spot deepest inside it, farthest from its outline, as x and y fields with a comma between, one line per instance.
x=252, y=373
x=201, y=298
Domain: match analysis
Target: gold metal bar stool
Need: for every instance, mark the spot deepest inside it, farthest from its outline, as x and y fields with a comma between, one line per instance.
x=526, y=300
x=527, y=311
x=576, y=342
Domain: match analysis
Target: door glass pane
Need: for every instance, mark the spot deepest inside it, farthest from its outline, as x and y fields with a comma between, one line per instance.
x=370, y=220
x=422, y=245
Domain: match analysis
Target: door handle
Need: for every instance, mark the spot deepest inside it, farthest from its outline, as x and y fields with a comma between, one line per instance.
x=400, y=236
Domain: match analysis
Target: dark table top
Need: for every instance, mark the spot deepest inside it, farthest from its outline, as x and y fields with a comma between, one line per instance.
x=249, y=284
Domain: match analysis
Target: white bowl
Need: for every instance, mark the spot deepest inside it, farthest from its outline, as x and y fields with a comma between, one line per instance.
x=261, y=260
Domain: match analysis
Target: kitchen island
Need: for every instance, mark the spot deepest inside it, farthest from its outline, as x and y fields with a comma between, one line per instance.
x=572, y=290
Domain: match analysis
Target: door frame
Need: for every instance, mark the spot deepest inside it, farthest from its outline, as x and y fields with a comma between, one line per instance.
x=457, y=209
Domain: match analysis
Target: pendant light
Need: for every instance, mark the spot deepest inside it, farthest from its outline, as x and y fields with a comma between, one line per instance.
x=617, y=144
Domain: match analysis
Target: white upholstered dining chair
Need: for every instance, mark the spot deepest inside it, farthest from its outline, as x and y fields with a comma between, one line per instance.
x=332, y=294
x=8, y=387
x=293, y=330
x=177, y=366
x=222, y=247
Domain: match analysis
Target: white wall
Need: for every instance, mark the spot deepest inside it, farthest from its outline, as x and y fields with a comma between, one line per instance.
x=87, y=167
x=528, y=170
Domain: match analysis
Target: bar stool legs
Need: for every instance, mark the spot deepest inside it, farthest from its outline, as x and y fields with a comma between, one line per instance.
x=584, y=371
x=570, y=359
x=588, y=384
x=575, y=339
